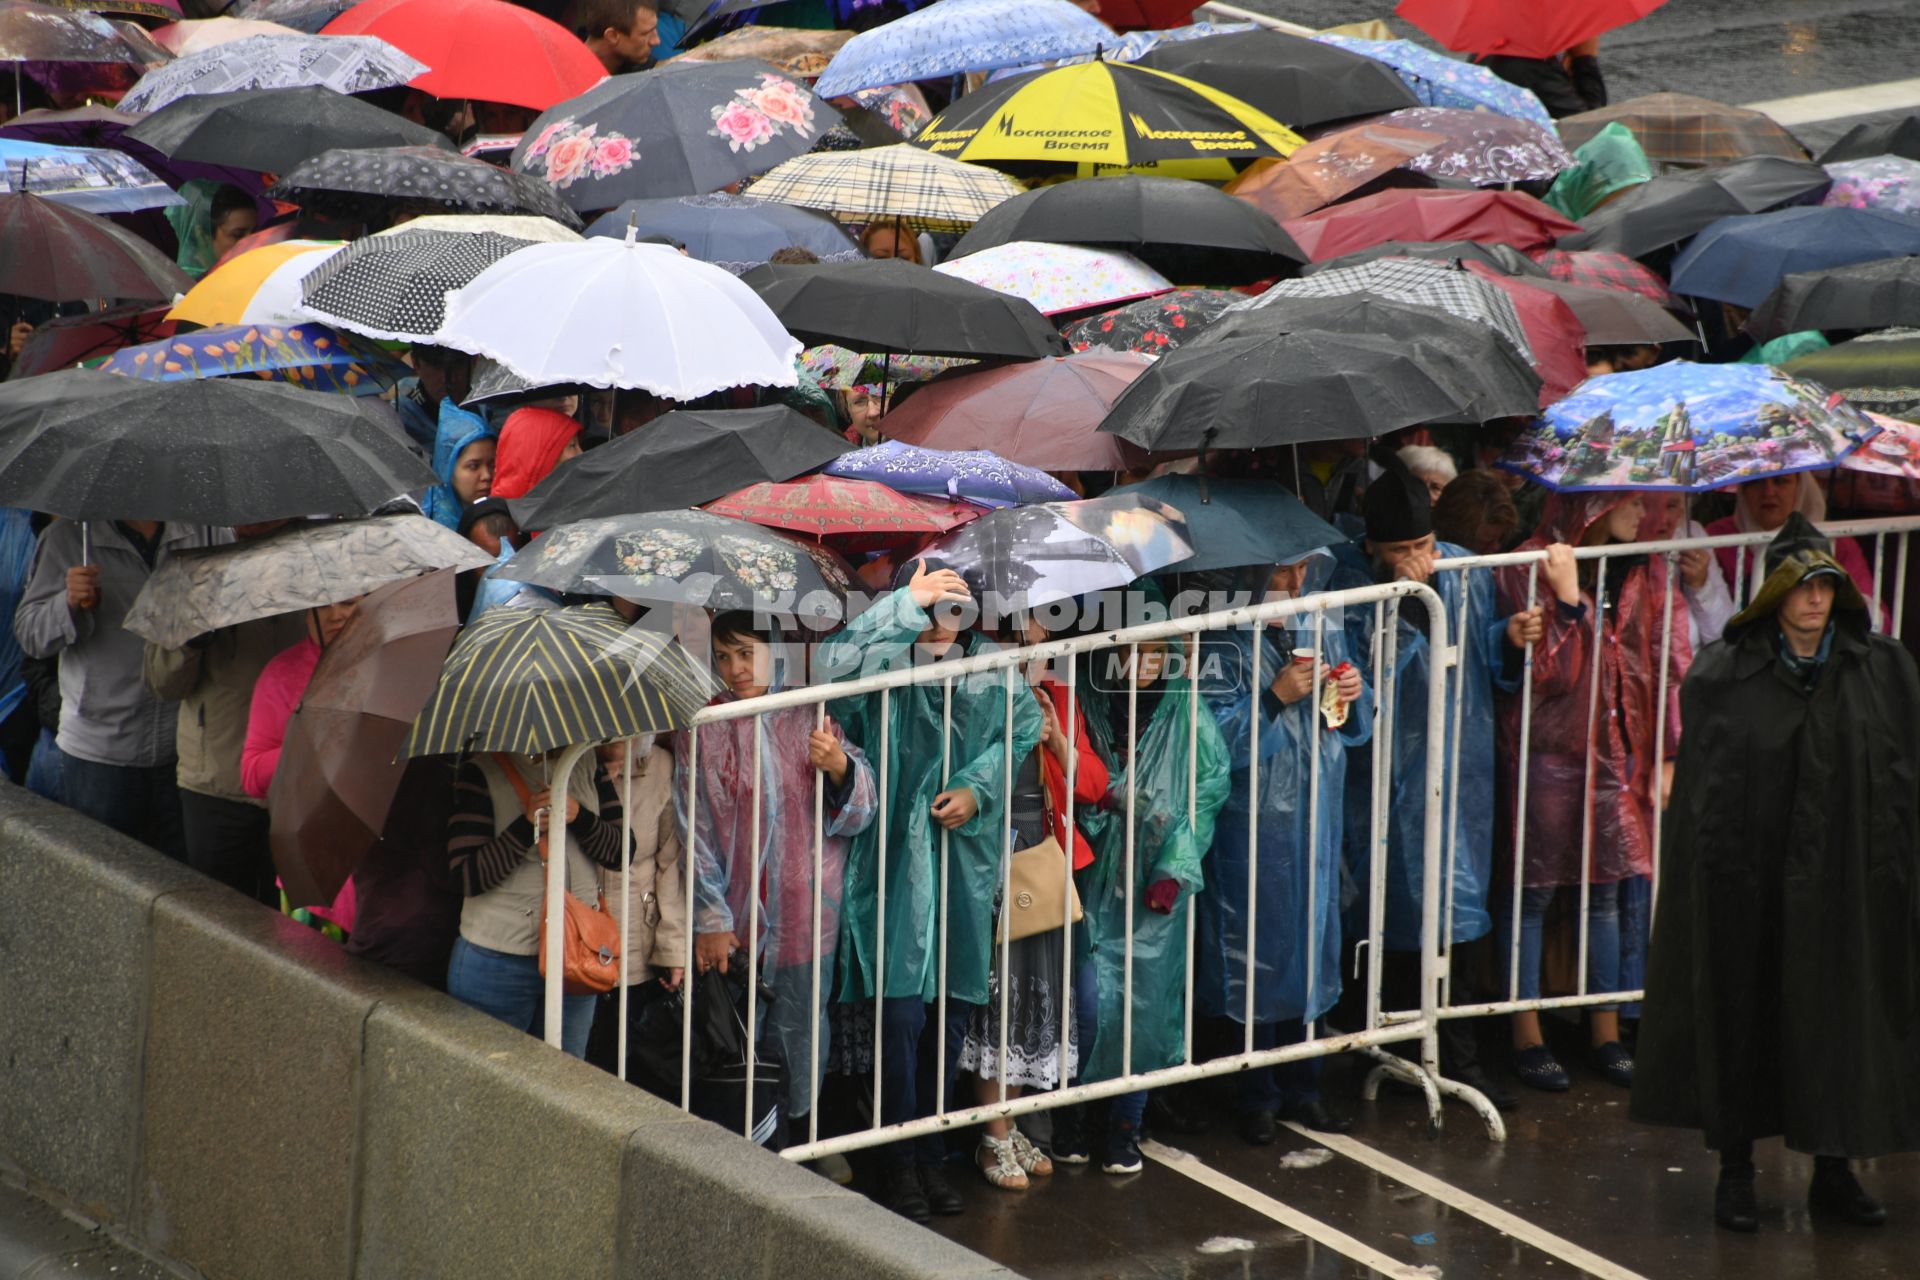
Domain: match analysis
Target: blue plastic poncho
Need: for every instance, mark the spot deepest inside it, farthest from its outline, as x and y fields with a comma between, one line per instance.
x=1470, y=795
x=458, y=429
x=882, y=639
x=1166, y=846
x=1286, y=923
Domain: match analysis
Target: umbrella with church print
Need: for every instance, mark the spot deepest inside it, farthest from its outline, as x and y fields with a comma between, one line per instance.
x=1689, y=428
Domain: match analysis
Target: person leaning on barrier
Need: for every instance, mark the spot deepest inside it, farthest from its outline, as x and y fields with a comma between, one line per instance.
x=1400, y=546
x=1783, y=990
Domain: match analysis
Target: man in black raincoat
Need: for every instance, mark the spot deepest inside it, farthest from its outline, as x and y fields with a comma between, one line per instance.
x=1783, y=988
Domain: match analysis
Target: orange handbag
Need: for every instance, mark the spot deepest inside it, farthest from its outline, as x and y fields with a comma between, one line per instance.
x=590, y=936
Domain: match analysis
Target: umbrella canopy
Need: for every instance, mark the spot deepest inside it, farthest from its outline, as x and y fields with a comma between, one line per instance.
x=1681, y=131
x=261, y=286
x=220, y=451
x=531, y=680
x=275, y=130
x=65, y=341
x=196, y=34
x=1879, y=294
x=1688, y=427
x=682, y=129
x=614, y=313
x=1600, y=270
x=1670, y=208
x=90, y=178
x=1877, y=371
x=1103, y=113
x=344, y=64
x=42, y=33
x=1415, y=282
x=976, y=475
x=1328, y=169
x=1440, y=81
x=1290, y=78
x=1170, y=223
x=953, y=36
x=836, y=368
x=338, y=776
x=1059, y=277
x=395, y=287
x=515, y=226
x=858, y=511
x=1614, y=317
x=1042, y=413
x=891, y=305
x=301, y=567
x=796, y=51
x=1742, y=259
x=427, y=174
x=1878, y=182
x=1021, y=558
x=1152, y=325
x=1504, y=258
x=1895, y=451
x=735, y=232
x=1494, y=217
x=1234, y=523
x=309, y=356
x=896, y=183
x=1897, y=137
x=105, y=128
x=1480, y=147
x=688, y=557
x=1555, y=336
x=681, y=459
x=63, y=254
x=484, y=49
x=1520, y=28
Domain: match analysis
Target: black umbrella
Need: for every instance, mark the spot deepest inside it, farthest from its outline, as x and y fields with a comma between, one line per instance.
x=1175, y=226
x=1295, y=80
x=1881, y=294
x=1670, y=208
x=275, y=129
x=887, y=305
x=96, y=446
x=682, y=459
x=1504, y=258
x=424, y=174
x=1899, y=137
x=394, y=287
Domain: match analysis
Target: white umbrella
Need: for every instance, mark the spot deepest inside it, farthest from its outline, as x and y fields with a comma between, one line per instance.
x=616, y=313
x=521, y=226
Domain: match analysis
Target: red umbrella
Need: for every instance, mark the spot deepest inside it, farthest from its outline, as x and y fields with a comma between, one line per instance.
x=71, y=340
x=1600, y=270
x=1146, y=15
x=1489, y=217
x=1040, y=413
x=835, y=507
x=278, y=233
x=1520, y=28
x=480, y=49
x=1558, y=339
x=62, y=254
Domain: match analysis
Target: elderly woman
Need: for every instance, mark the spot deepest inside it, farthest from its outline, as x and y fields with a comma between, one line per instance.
x=1762, y=506
x=1433, y=466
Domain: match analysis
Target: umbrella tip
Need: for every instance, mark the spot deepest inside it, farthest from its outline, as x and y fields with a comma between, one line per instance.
x=633, y=228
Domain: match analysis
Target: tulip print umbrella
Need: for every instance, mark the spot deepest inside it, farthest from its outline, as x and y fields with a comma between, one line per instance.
x=309, y=356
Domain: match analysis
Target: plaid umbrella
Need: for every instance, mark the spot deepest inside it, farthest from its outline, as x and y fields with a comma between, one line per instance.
x=824, y=506
x=1152, y=325
x=1415, y=281
x=1480, y=147
x=345, y=64
x=1680, y=131
x=308, y=356
x=1599, y=270
x=421, y=174
x=1058, y=277
x=897, y=183
x=532, y=680
x=395, y=287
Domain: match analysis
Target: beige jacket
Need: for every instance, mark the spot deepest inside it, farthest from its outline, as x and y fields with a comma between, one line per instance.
x=657, y=895
x=213, y=681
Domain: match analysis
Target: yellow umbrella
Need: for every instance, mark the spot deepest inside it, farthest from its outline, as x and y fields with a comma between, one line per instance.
x=1103, y=113
x=260, y=286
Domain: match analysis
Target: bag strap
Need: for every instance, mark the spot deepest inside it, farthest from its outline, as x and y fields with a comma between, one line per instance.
x=525, y=793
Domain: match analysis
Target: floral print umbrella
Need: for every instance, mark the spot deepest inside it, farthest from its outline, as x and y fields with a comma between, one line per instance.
x=963, y=35
x=1152, y=325
x=1891, y=183
x=1059, y=277
x=1442, y=81
x=836, y=368
x=1687, y=427
x=1485, y=149
x=1329, y=168
x=311, y=356
x=682, y=129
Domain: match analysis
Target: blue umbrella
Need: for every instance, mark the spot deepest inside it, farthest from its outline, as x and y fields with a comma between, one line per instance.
x=735, y=232
x=1440, y=81
x=976, y=475
x=1742, y=258
x=953, y=36
x=309, y=356
x=89, y=178
x=1234, y=523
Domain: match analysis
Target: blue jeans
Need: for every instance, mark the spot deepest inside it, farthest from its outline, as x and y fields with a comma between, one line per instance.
x=906, y=1072
x=1603, y=938
x=1124, y=1108
x=141, y=801
x=1286, y=1085
x=511, y=989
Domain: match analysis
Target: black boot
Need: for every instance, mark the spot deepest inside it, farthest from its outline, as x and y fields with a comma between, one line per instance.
x=1733, y=1203
x=1835, y=1190
x=903, y=1195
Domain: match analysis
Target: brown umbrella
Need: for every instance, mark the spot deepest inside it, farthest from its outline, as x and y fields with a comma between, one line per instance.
x=335, y=784
x=1680, y=131
x=1330, y=168
x=1041, y=413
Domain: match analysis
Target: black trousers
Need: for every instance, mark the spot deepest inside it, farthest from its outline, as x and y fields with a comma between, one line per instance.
x=227, y=840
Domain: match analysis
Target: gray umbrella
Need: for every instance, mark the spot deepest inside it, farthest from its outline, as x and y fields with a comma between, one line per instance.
x=1661, y=213
x=423, y=175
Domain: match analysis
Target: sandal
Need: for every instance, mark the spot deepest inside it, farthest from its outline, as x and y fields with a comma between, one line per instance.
x=1033, y=1160
x=999, y=1163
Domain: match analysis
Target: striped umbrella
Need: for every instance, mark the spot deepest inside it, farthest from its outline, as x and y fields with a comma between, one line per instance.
x=531, y=680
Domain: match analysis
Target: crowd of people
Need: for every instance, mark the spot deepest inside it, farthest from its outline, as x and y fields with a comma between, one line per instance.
x=858, y=854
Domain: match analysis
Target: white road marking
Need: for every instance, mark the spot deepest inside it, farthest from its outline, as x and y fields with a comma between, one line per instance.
x=1806, y=108
x=1190, y=1166
x=1493, y=1215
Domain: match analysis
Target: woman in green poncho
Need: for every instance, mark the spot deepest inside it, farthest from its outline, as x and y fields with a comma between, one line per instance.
x=933, y=788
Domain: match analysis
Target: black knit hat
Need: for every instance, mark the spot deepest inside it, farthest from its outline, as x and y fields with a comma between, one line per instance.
x=1398, y=508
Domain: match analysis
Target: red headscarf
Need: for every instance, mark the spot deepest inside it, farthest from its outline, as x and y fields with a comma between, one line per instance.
x=529, y=448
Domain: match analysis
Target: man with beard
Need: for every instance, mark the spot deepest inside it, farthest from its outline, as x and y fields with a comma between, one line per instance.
x=1400, y=546
x=1783, y=989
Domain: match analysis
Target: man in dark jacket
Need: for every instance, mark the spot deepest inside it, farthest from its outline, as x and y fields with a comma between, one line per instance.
x=1783, y=988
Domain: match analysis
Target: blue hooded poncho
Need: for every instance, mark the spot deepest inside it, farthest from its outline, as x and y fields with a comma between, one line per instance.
x=458, y=429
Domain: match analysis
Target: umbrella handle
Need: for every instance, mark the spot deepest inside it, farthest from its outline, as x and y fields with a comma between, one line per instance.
x=86, y=543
